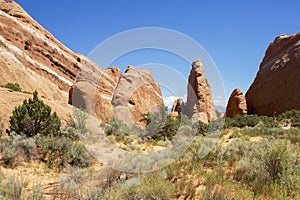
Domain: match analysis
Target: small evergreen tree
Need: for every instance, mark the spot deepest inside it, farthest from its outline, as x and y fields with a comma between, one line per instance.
x=34, y=117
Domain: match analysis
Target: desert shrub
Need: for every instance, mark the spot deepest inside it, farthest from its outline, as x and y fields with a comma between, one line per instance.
x=169, y=129
x=201, y=128
x=268, y=122
x=292, y=135
x=218, y=189
x=159, y=126
x=1, y=127
x=237, y=150
x=111, y=127
x=34, y=117
x=16, y=149
x=12, y=186
x=272, y=163
x=80, y=117
x=154, y=122
x=87, y=183
x=13, y=86
x=151, y=188
x=261, y=130
x=213, y=188
x=242, y=121
x=68, y=132
x=37, y=192
x=60, y=152
x=292, y=115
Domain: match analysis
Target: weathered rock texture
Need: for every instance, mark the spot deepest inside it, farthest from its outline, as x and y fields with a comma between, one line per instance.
x=105, y=91
x=136, y=93
x=177, y=106
x=33, y=58
x=276, y=87
x=236, y=104
x=199, y=99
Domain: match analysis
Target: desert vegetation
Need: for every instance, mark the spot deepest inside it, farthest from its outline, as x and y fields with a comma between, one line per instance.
x=15, y=87
x=256, y=157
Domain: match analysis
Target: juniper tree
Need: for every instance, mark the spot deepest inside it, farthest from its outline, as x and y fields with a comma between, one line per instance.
x=34, y=117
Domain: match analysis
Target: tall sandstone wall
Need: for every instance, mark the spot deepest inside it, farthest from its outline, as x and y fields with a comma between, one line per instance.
x=276, y=87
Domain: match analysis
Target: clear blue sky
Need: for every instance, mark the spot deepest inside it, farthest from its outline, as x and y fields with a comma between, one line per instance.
x=234, y=33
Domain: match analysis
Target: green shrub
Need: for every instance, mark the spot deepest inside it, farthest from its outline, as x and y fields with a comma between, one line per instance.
x=272, y=163
x=1, y=127
x=268, y=122
x=292, y=115
x=68, y=132
x=13, y=86
x=159, y=125
x=34, y=117
x=262, y=131
x=80, y=120
x=155, y=122
x=60, y=152
x=242, y=121
x=36, y=192
x=292, y=135
x=201, y=128
x=111, y=127
x=150, y=188
x=12, y=186
x=16, y=149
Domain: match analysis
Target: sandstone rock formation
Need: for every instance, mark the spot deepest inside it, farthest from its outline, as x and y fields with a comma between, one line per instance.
x=236, y=104
x=173, y=115
x=177, y=105
x=130, y=67
x=33, y=58
x=220, y=114
x=136, y=93
x=199, y=99
x=107, y=84
x=276, y=87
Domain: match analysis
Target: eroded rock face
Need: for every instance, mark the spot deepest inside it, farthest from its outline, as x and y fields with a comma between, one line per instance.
x=32, y=57
x=107, y=84
x=136, y=93
x=276, y=87
x=236, y=104
x=130, y=67
x=199, y=99
x=178, y=106
x=36, y=60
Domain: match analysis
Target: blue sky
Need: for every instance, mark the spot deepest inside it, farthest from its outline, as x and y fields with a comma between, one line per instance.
x=234, y=33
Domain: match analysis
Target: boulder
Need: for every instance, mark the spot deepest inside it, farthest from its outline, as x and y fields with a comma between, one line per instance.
x=276, y=87
x=236, y=104
x=136, y=93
